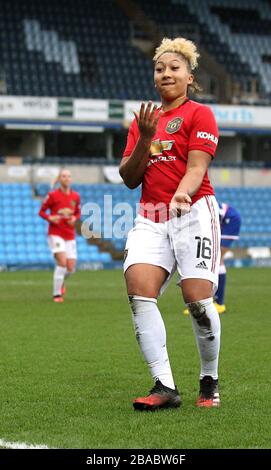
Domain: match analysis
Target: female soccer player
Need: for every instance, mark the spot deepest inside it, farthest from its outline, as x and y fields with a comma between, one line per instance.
x=64, y=205
x=168, y=150
x=230, y=222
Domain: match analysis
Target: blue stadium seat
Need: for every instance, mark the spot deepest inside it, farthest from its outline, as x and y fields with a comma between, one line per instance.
x=23, y=234
x=105, y=257
x=119, y=244
x=11, y=259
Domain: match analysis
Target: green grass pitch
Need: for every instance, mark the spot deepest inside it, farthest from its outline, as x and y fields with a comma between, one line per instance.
x=69, y=372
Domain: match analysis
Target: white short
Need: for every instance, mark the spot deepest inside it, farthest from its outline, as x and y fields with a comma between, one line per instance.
x=190, y=243
x=59, y=245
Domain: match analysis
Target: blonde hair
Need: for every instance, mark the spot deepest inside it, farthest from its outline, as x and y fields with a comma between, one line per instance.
x=56, y=180
x=186, y=48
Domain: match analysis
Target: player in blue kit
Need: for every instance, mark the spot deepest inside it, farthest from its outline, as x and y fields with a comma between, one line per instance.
x=230, y=222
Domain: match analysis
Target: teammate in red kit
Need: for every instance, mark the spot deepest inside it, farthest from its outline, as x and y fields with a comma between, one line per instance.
x=169, y=150
x=64, y=205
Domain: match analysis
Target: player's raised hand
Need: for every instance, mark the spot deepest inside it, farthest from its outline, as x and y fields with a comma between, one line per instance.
x=180, y=204
x=147, y=119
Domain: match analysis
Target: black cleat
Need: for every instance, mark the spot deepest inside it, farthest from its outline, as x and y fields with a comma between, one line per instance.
x=160, y=396
x=208, y=394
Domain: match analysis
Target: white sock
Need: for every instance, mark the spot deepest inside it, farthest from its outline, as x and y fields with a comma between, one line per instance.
x=206, y=326
x=151, y=337
x=59, y=275
x=222, y=269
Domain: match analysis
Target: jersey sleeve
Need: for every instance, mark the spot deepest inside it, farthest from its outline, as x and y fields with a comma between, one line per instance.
x=204, y=131
x=47, y=202
x=132, y=139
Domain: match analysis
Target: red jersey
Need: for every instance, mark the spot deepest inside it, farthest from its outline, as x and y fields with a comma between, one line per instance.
x=65, y=205
x=190, y=126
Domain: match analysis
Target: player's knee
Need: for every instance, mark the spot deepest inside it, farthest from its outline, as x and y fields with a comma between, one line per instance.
x=192, y=292
x=141, y=290
x=138, y=283
x=71, y=266
x=71, y=270
x=62, y=264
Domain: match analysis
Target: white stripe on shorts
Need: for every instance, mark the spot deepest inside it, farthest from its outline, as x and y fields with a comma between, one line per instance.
x=214, y=232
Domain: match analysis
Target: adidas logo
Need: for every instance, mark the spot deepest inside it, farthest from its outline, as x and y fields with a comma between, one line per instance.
x=202, y=265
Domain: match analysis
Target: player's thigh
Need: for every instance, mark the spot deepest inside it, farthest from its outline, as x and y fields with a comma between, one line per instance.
x=71, y=254
x=145, y=280
x=198, y=263
x=58, y=249
x=149, y=259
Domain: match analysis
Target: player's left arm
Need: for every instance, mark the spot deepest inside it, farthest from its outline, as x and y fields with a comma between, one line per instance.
x=197, y=165
x=201, y=149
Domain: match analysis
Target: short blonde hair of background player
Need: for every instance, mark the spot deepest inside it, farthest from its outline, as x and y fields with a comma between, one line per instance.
x=184, y=47
x=56, y=180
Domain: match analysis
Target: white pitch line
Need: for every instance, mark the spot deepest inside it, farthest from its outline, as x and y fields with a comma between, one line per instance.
x=20, y=445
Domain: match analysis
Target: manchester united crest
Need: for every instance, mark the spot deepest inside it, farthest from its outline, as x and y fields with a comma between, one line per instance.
x=174, y=125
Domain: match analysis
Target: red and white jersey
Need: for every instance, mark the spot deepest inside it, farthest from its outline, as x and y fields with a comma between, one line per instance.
x=190, y=126
x=65, y=205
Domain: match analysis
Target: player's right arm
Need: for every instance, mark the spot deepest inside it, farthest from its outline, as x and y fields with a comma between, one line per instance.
x=132, y=169
x=47, y=203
